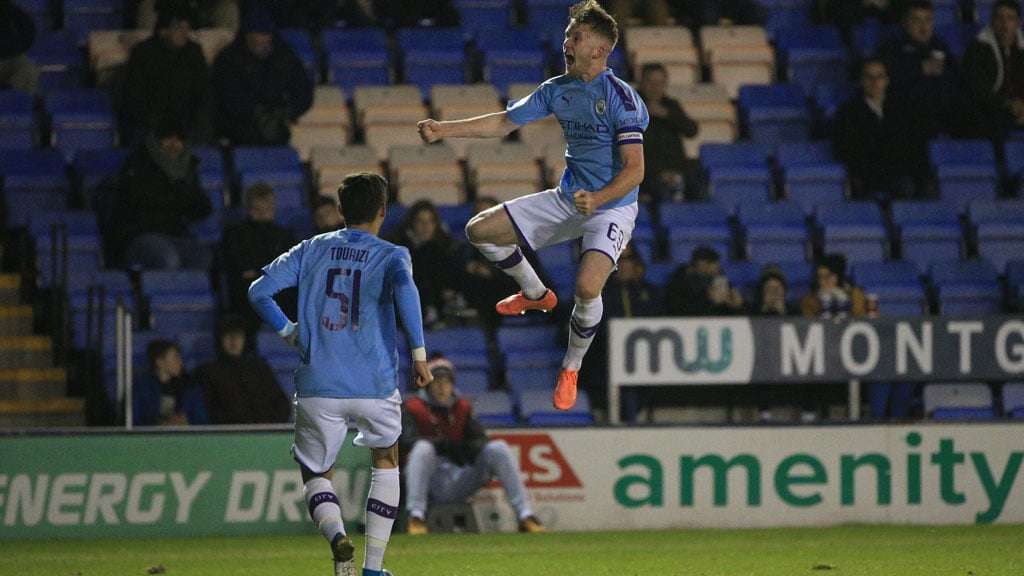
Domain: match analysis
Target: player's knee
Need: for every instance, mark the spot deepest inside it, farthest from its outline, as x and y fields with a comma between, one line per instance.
x=497, y=450
x=588, y=290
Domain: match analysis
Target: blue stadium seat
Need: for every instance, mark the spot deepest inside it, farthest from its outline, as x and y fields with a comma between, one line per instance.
x=357, y=56
x=897, y=285
x=998, y=229
x=478, y=16
x=472, y=382
x=178, y=300
x=33, y=181
x=300, y=41
x=116, y=286
x=61, y=65
x=1013, y=399
x=18, y=127
x=535, y=409
x=532, y=346
x=96, y=171
x=812, y=55
x=966, y=170
x=432, y=56
x=1013, y=153
x=927, y=230
x=775, y=232
x=84, y=16
x=455, y=217
x=510, y=56
x=774, y=113
x=541, y=12
x=956, y=34
x=520, y=379
x=692, y=224
x=275, y=351
x=737, y=173
x=278, y=166
x=744, y=276
x=494, y=409
x=966, y=287
x=557, y=256
x=855, y=229
x=828, y=97
x=80, y=119
x=809, y=169
x=466, y=346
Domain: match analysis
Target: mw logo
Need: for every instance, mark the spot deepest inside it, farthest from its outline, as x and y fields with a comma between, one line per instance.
x=701, y=360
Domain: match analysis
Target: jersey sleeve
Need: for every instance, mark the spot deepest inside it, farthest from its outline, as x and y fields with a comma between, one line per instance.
x=282, y=273
x=406, y=295
x=533, y=107
x=630, y=116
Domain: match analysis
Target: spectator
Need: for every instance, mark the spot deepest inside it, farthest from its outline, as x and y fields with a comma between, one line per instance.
x=484, y=284
x=260, y=85
x=167, y=77
x=771, y=299
x=700, y=289
x=924, y=71
x=166, y=395
x=832, y=296
x=437, y=262
x=994, y=71
x=874, y=136
x=209, y=13
x=627, y=294
x=240, y=388
x=248, y=246
x=17, y=34
x=669, y=175
x=158, y=196
x=326, y=216
x=448, y=456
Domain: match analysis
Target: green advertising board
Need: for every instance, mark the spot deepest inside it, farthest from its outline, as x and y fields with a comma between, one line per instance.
x=163, y=484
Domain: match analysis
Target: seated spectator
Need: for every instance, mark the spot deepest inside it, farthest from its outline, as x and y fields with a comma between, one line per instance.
x=248, y=246
x=771, y=299
x=240, y=387
x=17, y=34
x=437, y=261
x=874, y=135
x=326, y=216
x=157, y=198
x=699, y=288
x=832, y=296
x=167, y=77
x=669, y=176
x=924, y=71
x=994, y=70
x=166, y=395
x=260, y=85
x=447, y=455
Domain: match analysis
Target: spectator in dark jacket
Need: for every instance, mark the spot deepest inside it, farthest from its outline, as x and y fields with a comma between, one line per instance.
x=669, y=174
x=167, y=77
x=994, y=70
x=447, y=455
x=158, y=196
x=700, y=289
x=260, y=85
x=240, y=388
x=166, y=395
x=250, y=245
x=17, y=34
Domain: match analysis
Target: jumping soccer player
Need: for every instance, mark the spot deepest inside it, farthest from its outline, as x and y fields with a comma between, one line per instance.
x=603, y=120
x=346, y=335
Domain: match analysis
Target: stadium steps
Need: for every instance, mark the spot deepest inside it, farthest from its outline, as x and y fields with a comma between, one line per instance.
x=15, y=320
x=10, y=286
x=48, y=413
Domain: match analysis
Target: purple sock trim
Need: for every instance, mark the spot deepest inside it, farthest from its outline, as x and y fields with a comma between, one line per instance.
x=512, y=260
x=320, y=498
x=583, y=331
x=381, y=509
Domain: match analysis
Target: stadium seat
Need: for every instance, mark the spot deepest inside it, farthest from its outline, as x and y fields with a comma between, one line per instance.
x=432, y=56
x=18, y=127
x=855, y=229
x=744, y=276
x=97, y=171
x=33, y=181
x=1013, y=399
x=737, y=173
x=897, y=284
x=494, y=409
x=330, y=164
x=83, y=16
x=965, y=169
x=300, y=41
x=278, y=166
x=357, y=57
x=966, y=287
x=809, y=169
x=535, y=346
x=998, y=229
x=503, y=167
x=178, y=300
x=709, y=106
x=535, y=409
x=426, y=172
x=85, y=290
x=927, y=230
x=533, y=378
x=80, y=119
x=671, y=46
x=512, y=56
x=692, y=224
x=774, y=232
x=812, y=55
x=958, y=401
x=61, y=66
x=480, y=16
x=827, y=98
x=774, y=113
x=737, y=55
x=466, y=346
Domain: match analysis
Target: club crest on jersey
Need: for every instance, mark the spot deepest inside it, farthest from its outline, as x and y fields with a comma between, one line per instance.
x=600, y=106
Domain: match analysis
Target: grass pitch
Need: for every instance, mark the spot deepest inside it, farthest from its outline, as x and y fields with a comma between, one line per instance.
x=839, y=551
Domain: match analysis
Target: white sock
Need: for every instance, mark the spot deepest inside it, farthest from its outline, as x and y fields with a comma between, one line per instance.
x=324, y=507
x=586, y=316
x=510, y=260
x=381, y=509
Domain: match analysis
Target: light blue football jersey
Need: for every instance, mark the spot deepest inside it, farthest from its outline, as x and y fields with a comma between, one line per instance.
x=349, y=283
x=596, y=119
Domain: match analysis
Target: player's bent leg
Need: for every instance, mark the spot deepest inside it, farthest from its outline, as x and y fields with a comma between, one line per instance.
x=325, y=510
x=595, y=266
x=493, y=234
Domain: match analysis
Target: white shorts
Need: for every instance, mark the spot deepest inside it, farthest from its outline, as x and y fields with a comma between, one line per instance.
x=321, y=425
x=550, y=217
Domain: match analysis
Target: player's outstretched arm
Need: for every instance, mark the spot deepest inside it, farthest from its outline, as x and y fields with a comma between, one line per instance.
x=494, y=125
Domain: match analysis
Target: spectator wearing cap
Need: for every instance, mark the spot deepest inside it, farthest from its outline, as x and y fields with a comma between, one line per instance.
x=167, y=77
x=447, y=455
x=158, y=196
x=260, y=85
x=699, y=288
